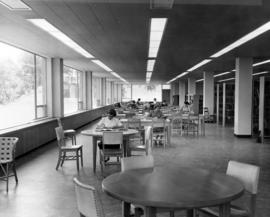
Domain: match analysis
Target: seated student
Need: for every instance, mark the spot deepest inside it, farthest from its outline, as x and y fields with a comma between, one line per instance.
x=109, y=121
x=164, y=103
x=156, y=113
x=185, y=108
x=139, y=102
x=155, y=100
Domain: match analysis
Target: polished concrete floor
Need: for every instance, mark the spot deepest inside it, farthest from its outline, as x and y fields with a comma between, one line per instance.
x=44, y=192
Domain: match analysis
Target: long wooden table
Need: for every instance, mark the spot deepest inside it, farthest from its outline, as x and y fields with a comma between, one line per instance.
x=97, y=135
x=173, y=188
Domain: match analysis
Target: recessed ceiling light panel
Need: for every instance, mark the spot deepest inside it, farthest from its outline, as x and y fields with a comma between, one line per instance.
x=15, y=5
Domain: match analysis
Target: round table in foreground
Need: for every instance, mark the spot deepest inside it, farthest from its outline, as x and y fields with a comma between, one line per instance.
x=170, y=187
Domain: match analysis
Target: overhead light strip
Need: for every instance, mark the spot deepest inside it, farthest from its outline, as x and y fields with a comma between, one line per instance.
x=52, y=30
x=260, y=73
x=102, y=65
x=262, y=29
x=199, y=65
x=156, y=32
x=229, y=79
x=261, y=63
x=199, y=80
x=15, y=5
x=223, y=73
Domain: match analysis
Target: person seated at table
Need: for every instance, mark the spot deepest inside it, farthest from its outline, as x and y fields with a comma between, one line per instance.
x=155, y=101
x=139, y=102
x=110, y=121
x=185, y=108
x=156, y=113
x=132, y=105
x=164, y=103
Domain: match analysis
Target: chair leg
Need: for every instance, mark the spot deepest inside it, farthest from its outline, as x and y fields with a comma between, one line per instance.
x=63, y=159
x=81, y=157
x=14, y=171
x=171, y=213
x=59, y=159
x=7, y=174
x=77, y=160
x=75, y=139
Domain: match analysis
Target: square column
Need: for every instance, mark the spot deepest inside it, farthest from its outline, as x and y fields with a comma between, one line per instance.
x=191, y=86
x=243, y=97
x=88, y=90
x=103, y=91
x=208, y=91
x=57, y=87
x=182, y=92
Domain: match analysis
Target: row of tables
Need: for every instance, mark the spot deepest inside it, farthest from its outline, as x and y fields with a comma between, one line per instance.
x=175, y=188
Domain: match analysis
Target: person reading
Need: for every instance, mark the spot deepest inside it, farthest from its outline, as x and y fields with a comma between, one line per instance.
x=109, y=122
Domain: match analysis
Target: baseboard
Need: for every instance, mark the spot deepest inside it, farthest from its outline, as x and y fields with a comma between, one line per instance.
x=243, y=136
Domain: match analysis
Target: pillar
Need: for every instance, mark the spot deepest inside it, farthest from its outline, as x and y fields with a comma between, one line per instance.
x=88, y=90
x=103, y=91
x=243, y=97
x=208, y=91
x=224, y=105
x=191, y=86
x=182, y=92
x=261, y=107
x=217, y=105
x=57, y=87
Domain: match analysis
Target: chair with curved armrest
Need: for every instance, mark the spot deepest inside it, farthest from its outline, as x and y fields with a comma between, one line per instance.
x=146, y=146
x=88, y=201
x=249, y=176
x=160, y=133
x=69, y=133
x=73, y=152
x=7, y=158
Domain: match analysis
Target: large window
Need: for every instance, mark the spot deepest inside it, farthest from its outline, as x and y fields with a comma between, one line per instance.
x=108, y=93
x=126, y=92
x=72, y=90
x=146, y=92
x=22, y=86
x=96, y=83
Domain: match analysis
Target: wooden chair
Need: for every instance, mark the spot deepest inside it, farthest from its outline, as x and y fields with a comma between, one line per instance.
x=65, y=152
x=88, y=201
x=176, y=125
x=249, y=175
x=69, y=133
x=7, y=158
x=141, y=162
x=110, y=138
x=135, y=123
x=159, y=132
x=137, y=145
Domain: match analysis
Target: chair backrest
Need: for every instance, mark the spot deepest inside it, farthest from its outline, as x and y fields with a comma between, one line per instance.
x=112, y=138
x=88, y=202
x=137, y=162
x=59, y=122
x=148, y=139
x=7, y=148
x=248, y=174
x=134, y=123
x=60, y=136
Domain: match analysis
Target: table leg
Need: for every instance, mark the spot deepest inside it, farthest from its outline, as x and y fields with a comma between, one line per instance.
x=190, y=213
x=224, y=210
x=169, y=134
x=125, y=209
x=94, y=144
x=150, y=212
x=126, y=147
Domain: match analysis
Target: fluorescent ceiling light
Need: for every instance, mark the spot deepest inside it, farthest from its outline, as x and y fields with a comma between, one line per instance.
x=156, y=32
x=223, y=73
x=115, y=74
x=102, y=65
x=150, y=65
x=260, y=73
x=46, y=26
x=199, y=80
x=199, y=65
x=148, y=74
x=262, y=29
x=15, y=5
x=229, y=79
x=261, y=63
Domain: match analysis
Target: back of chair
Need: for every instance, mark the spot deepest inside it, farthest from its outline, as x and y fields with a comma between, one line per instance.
x=134, y=123
x=148, y=139
x=137, y=162
x=59, y=122
x=87, y=201
x=60, y=136
x=112, y=138
x=248, y=174
x=7, y=149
